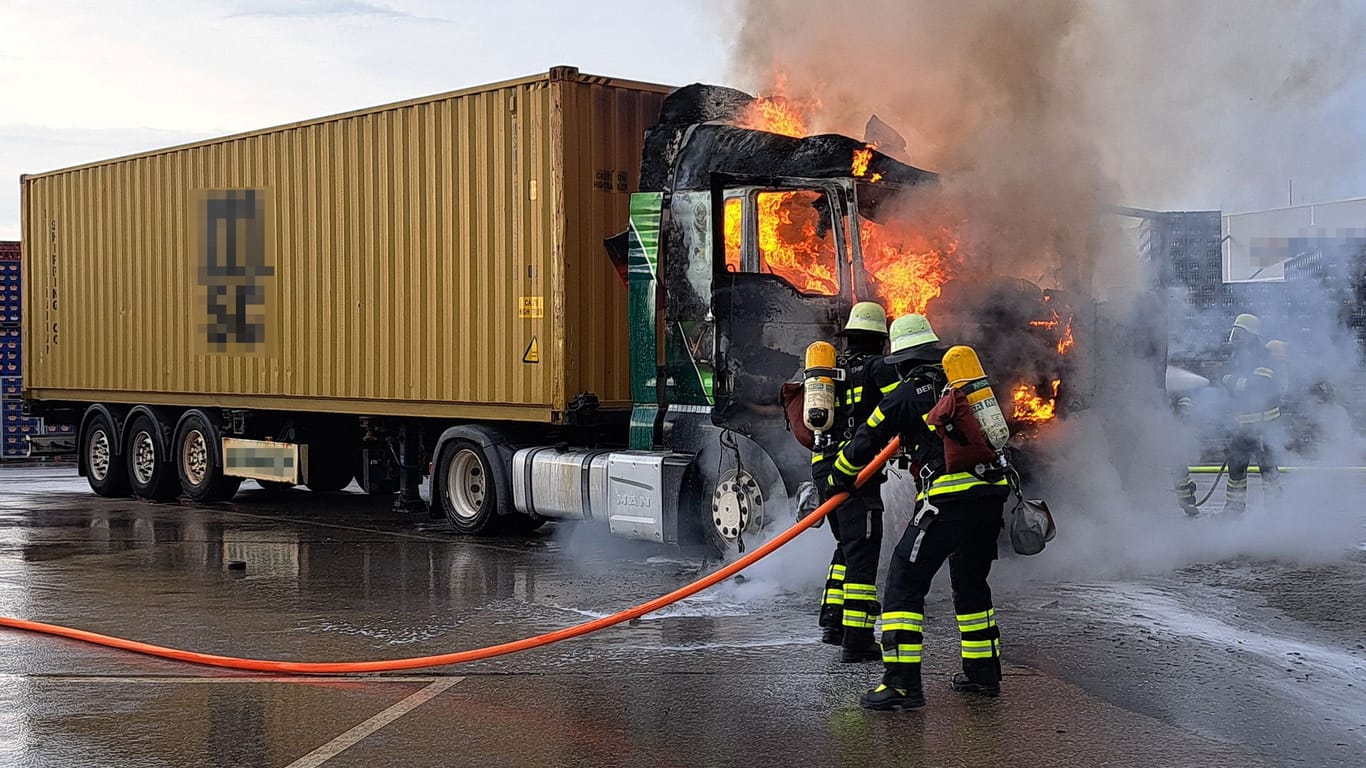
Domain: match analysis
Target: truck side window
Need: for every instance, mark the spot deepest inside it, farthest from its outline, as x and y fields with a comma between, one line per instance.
x=797, y=240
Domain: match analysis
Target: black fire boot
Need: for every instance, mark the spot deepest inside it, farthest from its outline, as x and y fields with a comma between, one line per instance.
x=899, y=690
x=832, y=624
x=859, y=646
x=964, y=684
x=979, y=676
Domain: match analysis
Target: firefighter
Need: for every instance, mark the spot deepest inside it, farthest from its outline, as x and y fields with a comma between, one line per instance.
x=958, y=518
x=849, y=607
x=1255, y=394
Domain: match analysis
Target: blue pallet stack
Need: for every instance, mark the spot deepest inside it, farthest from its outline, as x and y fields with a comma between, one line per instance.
x=14, y=426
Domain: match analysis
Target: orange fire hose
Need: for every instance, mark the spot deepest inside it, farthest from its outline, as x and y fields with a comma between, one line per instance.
x=474, y=654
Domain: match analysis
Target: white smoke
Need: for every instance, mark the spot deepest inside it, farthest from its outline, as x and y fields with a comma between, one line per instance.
x=1038, y=115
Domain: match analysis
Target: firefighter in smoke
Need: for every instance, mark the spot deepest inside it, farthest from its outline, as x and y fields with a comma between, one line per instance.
x=958, y=518
x=849, y=607
x=1255, y=394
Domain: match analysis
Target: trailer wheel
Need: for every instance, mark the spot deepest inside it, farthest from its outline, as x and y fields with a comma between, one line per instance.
x=201, y=477
x=151, y=475
x=105, y=469
x=466, y=489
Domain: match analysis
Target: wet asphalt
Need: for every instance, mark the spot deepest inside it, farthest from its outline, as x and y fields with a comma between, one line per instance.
x=1232, y=663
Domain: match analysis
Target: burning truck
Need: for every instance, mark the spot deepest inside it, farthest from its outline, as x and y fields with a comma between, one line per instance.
x=807, y=226
x=420, y=289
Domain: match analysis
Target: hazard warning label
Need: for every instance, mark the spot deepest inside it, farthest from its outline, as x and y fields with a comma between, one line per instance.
x=531, y=307
x=532, y=353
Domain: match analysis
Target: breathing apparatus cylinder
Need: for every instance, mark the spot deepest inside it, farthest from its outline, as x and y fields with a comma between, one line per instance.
x=818, y=390
x=964, y=371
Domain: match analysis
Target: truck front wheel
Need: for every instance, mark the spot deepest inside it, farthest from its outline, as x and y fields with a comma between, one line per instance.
x=105, y=468
x=466, y=489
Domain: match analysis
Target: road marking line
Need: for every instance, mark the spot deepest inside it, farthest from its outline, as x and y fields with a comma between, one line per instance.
x=352, y=737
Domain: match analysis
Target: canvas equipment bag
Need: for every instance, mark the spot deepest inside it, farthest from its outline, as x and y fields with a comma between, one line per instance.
x=1031, y=526
x=791, y=398
x=966, y=448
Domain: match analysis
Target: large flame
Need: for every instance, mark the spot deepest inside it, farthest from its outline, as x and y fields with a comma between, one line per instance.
x=779, y=113
x=790, y=245
x=1029, y=406
x=907, y=262
x=906, y=266
x=790, y=241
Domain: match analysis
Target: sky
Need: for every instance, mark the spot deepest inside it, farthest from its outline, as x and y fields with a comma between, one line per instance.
x=86, y=81
x=82, y=81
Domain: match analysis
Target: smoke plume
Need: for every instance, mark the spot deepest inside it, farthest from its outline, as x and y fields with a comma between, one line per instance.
x=1038, y=115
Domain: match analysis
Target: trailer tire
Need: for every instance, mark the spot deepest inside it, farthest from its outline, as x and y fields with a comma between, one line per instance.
x=275, y=486
x=467, y=490
x=105, y=468
x=200, y=471
x=151, y=473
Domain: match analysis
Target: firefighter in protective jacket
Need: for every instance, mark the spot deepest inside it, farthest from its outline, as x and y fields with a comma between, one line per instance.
x=958, y=517
x=849, y=606
x=1255, y=393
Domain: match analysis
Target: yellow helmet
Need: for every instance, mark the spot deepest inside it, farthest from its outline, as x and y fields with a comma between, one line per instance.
x=913, y=338
x=1249, y=324
x=866, y=317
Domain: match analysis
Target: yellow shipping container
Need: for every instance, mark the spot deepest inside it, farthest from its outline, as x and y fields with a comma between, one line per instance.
x=437, y=257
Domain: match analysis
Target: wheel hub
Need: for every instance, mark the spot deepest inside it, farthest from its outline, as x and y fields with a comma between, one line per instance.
x=195, y=458
x=144, y=457
x=99, y=455
x=465, y=484
x=737, y=505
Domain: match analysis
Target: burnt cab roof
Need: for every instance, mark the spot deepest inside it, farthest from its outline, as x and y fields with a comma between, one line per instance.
x=725, y=149
x=697, y=136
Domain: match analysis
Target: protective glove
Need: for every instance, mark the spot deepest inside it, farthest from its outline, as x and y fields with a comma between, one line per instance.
x=809, y=500
x=838, y=482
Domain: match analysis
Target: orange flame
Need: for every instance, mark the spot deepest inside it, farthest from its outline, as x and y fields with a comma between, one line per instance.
x=774, y=116
x=790, y=245
x=1028, y=406
x=907, y=267
x=731, y=222
x=1067, y=341
x=861, y=159
x=779, y=113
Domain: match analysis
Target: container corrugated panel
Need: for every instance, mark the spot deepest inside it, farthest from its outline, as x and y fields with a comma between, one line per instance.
x=602, y=119
x=401, y=260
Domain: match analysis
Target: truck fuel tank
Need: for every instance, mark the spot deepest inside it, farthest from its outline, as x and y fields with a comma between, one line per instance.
x=636, y=493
